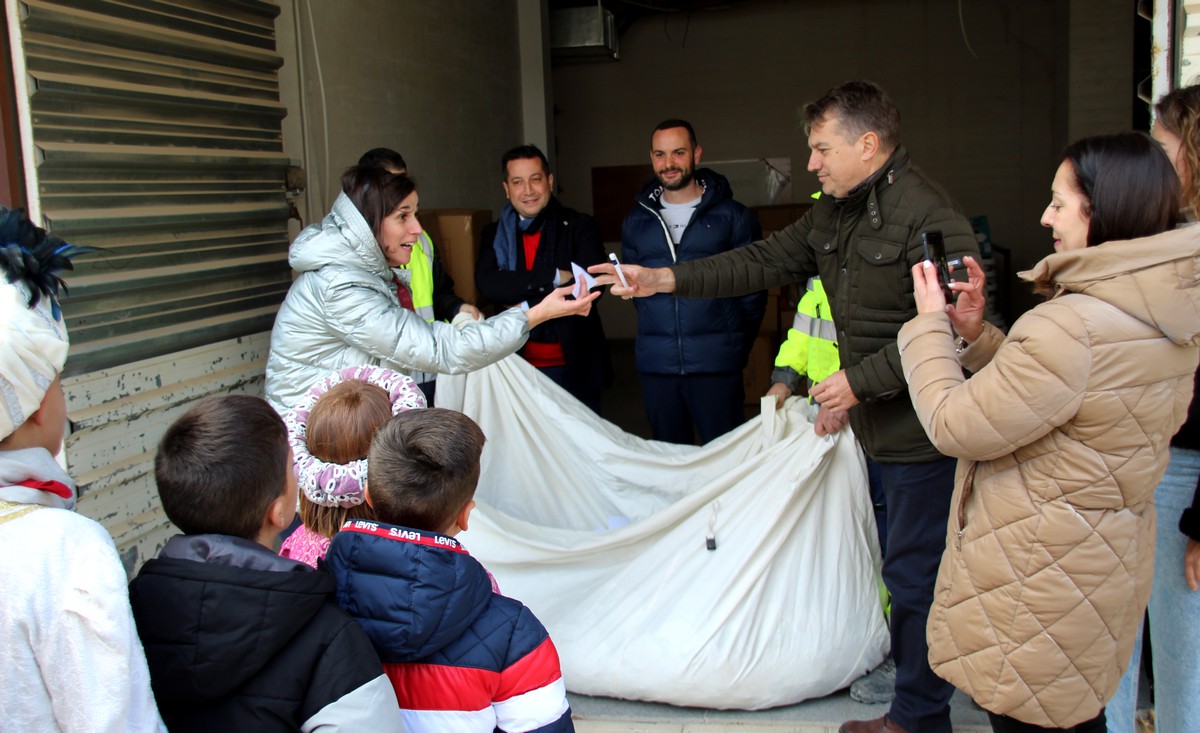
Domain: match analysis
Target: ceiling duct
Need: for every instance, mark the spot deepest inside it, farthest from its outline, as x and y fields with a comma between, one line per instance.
x=583, y=34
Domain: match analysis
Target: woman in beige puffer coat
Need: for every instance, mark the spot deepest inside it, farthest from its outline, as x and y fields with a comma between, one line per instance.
x=1062, y=435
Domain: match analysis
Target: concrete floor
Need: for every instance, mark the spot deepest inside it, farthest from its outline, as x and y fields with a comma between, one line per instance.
x=823, y=715
x=622, y=405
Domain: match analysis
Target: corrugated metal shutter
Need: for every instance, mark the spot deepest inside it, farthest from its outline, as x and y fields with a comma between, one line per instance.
x=156, y=135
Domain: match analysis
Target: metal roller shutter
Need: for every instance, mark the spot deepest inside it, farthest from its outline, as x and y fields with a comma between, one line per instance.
x=152, y=130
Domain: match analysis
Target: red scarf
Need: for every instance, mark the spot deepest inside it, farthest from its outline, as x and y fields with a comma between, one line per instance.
x=57, y=488
x=538, y=353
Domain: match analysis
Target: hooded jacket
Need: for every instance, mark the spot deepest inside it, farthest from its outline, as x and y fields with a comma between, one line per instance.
x=685, y=335
x=238, y=638
x=343, y=311
x=862, y=247
x=462, y=659
x=1062, y=436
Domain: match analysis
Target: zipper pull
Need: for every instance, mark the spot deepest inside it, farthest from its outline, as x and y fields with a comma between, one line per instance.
x=959, y=543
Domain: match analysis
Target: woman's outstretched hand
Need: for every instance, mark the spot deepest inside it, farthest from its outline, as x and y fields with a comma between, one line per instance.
x=556, y=305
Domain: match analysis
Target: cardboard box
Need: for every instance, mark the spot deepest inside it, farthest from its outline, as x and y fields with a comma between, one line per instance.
x=455, y=234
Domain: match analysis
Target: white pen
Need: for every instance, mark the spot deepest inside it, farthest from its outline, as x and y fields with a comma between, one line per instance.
x=612, y=257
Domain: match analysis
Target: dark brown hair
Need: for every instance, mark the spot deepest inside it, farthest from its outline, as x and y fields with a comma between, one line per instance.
x=1179, y=114
x=861, y=107
x=384, y=158
x=339, y=430
x=221, y=464
x=671, y=125
x=375, y=192
x=423, y=468
x=522, y=152
x=1129, y=186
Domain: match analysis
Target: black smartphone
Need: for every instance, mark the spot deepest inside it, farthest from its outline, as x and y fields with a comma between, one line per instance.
x=935, y=252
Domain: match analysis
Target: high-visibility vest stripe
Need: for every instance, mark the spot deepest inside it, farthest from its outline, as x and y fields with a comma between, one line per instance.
x=815, y=327
x=811, y=348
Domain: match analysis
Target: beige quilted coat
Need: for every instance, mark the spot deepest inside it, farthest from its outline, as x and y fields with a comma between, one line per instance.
x=1062, y=436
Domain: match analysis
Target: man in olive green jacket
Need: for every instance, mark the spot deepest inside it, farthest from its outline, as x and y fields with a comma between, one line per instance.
x=862, y=237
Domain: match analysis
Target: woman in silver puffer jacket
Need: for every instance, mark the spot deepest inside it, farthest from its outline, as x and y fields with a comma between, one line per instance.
x=344, y=309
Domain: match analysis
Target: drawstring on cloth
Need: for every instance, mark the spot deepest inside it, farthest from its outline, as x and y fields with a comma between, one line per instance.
x=710, y=539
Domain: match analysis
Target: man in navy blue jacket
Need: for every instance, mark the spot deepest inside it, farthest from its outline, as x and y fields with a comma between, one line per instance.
x=690, y=352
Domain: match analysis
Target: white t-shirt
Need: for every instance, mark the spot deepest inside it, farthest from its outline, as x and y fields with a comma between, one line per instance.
x=677, y=216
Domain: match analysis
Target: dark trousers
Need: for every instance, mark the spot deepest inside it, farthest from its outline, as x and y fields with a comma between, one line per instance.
x=879, y=502
x=680, y=405
x=1005, y=724
x=918, y=505
x=561, y=377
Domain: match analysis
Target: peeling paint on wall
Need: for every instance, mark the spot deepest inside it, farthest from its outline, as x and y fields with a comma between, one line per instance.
x=118, y=416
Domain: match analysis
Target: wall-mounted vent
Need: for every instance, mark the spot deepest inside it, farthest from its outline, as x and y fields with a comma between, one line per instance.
x=583, y=34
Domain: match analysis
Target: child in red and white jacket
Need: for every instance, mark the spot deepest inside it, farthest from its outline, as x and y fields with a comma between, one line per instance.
x=460, y=657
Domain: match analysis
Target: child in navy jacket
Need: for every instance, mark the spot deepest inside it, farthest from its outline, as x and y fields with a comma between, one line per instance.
x=460, y=657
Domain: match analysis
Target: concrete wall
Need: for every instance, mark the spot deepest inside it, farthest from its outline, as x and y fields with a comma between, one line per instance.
x=443, y=83
x=439, y=82
x=1101, y=49
x=988, y=126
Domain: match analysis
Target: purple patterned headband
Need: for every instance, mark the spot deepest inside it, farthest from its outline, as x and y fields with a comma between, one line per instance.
x=336, y=484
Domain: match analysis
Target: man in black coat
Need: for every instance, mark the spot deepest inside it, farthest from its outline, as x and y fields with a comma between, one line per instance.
x=527, y=254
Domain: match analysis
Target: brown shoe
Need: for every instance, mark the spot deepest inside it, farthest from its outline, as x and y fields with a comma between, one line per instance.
x=878, y=725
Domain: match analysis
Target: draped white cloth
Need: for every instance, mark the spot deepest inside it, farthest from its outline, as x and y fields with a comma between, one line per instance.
x=603, y=534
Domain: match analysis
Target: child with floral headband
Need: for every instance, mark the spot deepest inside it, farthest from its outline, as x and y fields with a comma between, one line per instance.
x=330, y=432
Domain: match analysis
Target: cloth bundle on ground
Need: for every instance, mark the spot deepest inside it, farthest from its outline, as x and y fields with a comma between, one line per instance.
x=603, y=534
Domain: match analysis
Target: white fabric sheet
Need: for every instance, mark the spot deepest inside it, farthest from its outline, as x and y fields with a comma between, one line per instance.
x=603, y=535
